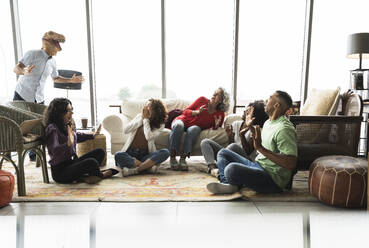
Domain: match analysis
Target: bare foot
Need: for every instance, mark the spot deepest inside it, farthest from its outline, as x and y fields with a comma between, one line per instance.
x=107, y=174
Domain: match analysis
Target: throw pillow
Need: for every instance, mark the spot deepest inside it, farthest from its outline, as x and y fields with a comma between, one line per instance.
x=321, y=102
x=171, y=116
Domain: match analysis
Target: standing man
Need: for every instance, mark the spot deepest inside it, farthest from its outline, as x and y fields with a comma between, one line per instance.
x=35, y=67
x=275, y=164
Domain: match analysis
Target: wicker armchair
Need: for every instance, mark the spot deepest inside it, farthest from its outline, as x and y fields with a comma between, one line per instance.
x=33, y=108
x=12, y=140
x=319, y=136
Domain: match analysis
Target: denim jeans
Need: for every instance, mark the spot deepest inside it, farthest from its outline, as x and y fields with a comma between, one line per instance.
x=210, y=149
x=192, y=133
x=126, y=159
x=237, y=170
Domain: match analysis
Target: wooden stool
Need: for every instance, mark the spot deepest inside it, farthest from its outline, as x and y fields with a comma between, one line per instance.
x=98, y=142
x=339, y=180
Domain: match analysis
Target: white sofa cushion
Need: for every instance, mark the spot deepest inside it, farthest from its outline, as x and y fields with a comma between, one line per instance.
x=114, y=124
x=130, y=108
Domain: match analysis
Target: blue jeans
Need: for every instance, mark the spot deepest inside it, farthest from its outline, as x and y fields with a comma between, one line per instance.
x=126, y=159
x=192, y=133
x=237, y=170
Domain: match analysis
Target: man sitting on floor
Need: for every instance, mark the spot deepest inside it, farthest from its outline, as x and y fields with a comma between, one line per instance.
x=277, y=147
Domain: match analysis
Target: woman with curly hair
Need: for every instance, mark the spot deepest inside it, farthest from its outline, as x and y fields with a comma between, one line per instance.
x=61, y=140
x=200, y=115
x=139, y=152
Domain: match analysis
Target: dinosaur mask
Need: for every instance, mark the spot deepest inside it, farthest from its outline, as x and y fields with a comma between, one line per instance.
x=50, y=42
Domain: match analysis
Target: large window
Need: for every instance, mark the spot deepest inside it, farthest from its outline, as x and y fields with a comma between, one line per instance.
x=332, y=23
x=270, y=48
x=7, y=76
x=68, y=18
x=199, y=47
x=127, y=38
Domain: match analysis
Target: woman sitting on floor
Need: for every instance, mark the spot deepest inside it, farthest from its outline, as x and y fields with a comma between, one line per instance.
x=139, y=152
x=61, y=140
x=239, y=138
x=200, y=115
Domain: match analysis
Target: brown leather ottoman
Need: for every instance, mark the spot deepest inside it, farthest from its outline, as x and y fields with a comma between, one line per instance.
x=339, y=180
x=6, y=187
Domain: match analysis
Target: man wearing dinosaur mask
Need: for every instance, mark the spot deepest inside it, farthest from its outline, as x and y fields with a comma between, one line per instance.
x=36, y=66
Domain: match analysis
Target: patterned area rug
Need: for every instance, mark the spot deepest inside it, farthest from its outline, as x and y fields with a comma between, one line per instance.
x=298, y=193
x=166, y=185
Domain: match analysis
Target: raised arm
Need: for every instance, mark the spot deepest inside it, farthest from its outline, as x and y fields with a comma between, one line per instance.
x=21, y=69
x=56, y=148
x=283, y=160
x=134, y=124
x=196, y=107
x=73, y=79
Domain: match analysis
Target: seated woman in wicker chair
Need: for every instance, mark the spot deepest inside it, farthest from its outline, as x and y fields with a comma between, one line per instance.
x=61, y=140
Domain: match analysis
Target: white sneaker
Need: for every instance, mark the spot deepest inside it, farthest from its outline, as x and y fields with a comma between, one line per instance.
x=222, y=188
x=214, y=172
x=129, y=171
x=154, y=169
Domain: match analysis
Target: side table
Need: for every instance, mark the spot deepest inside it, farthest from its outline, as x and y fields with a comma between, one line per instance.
x=98, y=142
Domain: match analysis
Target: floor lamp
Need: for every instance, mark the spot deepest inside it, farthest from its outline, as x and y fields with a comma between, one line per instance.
x=358, y=48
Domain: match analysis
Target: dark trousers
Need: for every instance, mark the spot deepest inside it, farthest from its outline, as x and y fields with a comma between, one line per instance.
x=17, y=97
x=75, y=169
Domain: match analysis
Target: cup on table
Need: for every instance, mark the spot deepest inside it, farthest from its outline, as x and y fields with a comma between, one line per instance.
x=84, y=122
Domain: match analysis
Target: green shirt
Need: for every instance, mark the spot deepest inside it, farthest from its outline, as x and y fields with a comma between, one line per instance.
x=278, y=136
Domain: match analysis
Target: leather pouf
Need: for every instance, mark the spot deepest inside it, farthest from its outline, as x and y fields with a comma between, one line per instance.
x=339, y=180
x=6, y=187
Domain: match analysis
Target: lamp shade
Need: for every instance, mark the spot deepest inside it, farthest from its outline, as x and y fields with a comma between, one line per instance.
x=358, y=44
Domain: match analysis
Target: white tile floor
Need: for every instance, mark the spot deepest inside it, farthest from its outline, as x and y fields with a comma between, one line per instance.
x=182, y=224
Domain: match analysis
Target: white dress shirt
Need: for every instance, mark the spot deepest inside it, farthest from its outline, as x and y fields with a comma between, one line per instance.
x=31, y=87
